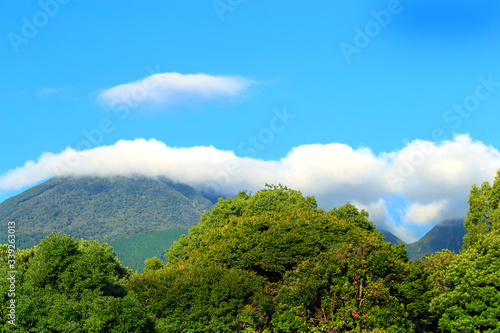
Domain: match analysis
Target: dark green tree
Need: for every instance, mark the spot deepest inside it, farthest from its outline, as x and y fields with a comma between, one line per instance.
x=422, y=281
x=468, y=299
x=352, y=287
x=69, y=285
x=191, y=298
x=471, y=301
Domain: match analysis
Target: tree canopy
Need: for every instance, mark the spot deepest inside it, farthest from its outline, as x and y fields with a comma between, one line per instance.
x=470, y=298
x=293, y=261
x=265, y=262
x=484, y=211
x=69, y=285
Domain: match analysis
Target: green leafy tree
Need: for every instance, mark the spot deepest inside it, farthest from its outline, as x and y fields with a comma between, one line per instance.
x=268, y=233
x=422, y=281
x=190, y=298
x=468, y=297
x=484, y=211
x=70, y=266
x=350, y=288
x=69, y=285
x=153, y=264
x=278, y=199
x=264, y=239
x=471, y=302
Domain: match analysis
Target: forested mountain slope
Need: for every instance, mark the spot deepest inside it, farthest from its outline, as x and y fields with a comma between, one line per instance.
x=447, y=234
x=104, y=209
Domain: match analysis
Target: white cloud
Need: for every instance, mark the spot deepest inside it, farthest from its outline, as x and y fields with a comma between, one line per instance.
x=419, y=213
x=174, y=89
x=379, y=214
x=435, y=185
x=377, y=210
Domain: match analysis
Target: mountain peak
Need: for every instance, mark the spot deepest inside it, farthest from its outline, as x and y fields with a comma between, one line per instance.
x=447, y=234
x=105, y=209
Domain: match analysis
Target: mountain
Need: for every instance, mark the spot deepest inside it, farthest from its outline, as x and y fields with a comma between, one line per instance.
x=134, y=250
x=105, y=209
x=141, y=217
x=391, y=238
x=447, y=234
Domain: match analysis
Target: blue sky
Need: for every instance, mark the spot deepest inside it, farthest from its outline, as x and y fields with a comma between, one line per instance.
x=419, y=71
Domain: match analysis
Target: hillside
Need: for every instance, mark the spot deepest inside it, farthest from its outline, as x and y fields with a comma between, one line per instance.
x=134, y=250
x=105, y=209
x=447, y=234
x=391, y=238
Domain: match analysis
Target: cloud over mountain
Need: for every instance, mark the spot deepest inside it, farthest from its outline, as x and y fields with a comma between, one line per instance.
x=435, y=178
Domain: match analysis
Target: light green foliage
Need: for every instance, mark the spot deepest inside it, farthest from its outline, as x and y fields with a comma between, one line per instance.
x=471, y=302
x=478, y=216
x=24, y=257
x=351, y=214
x=272, y=243
x=467, y=298
x=4, y=252
x=69, y=266
x=278, y=199
x=268, y=233
x=484, y=211
x=293, y=261
x=435, y=265
x=153, y=264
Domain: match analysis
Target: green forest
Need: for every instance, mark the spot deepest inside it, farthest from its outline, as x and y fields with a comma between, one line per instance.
x=271, y=261
x=107, y=209
x=132, y=251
